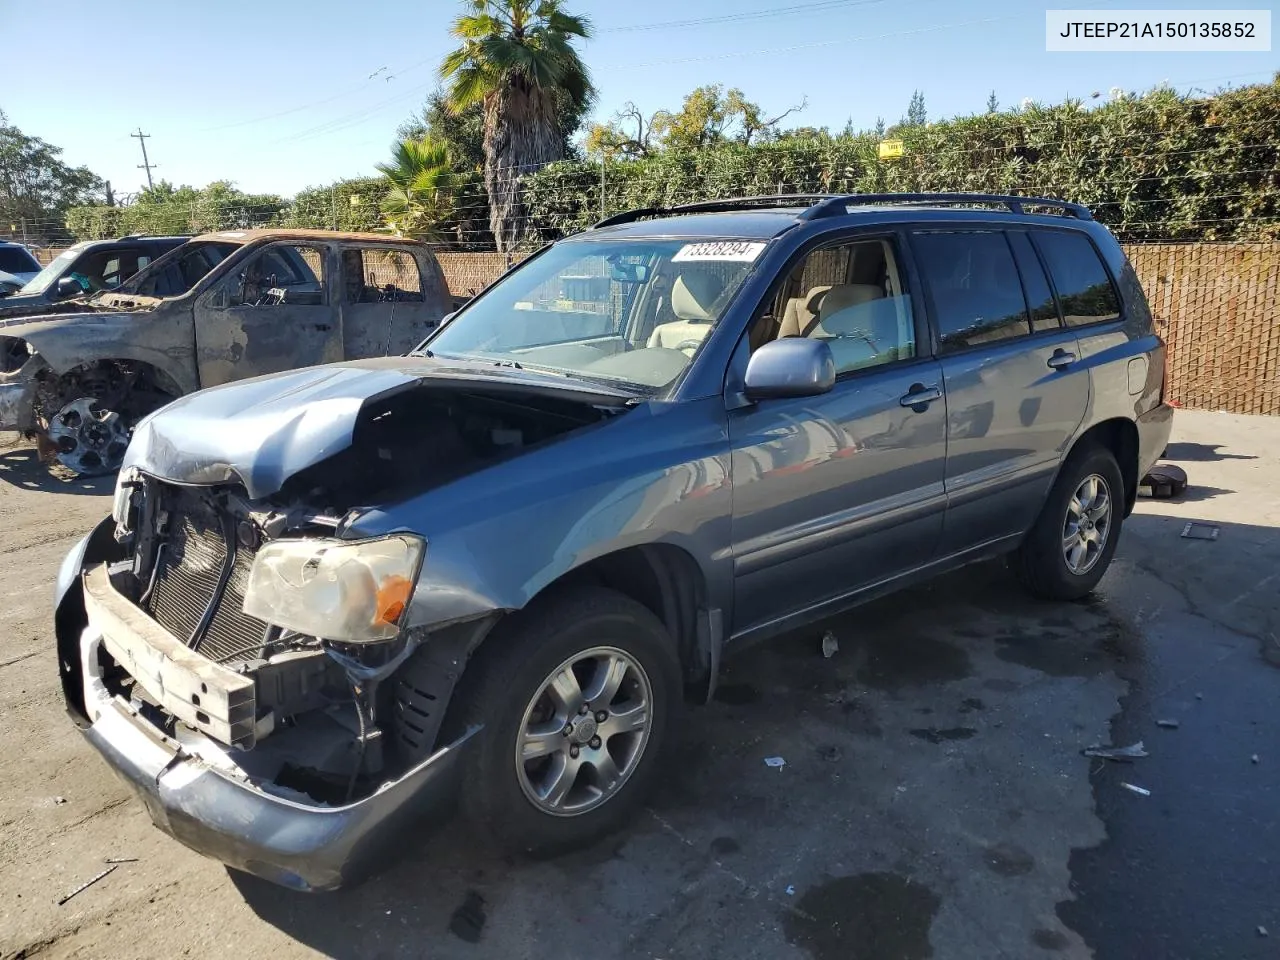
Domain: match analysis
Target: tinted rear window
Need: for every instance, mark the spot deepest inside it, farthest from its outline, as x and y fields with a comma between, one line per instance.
x=1084, y=288
x=976, y=293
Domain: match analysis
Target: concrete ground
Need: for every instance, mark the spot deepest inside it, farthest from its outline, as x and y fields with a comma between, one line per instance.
x=934, y=801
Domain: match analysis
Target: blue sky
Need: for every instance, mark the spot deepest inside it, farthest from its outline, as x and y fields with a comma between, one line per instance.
x=277, y=95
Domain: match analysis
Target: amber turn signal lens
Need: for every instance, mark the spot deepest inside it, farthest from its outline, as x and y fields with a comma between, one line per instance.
x=393, y=596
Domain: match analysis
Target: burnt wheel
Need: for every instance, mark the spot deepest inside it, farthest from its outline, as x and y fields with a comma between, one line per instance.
x=88, y=438
x=577, y=695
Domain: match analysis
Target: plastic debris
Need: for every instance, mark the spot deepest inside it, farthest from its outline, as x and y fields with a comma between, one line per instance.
x=791, y=891
x=1200, y=531
x=58, y=801
x=1134, y=751
x=1142, y=791
x=1168, y=724
x=1262, y=931
x=775, y=762
x=830, y=646
x=1254, y=758
x=1199, y=696
x=120, y=860
x=87, y=884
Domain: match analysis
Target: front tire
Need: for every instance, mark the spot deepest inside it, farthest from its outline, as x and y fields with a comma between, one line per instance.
x=577, y=695
x=1071, y=545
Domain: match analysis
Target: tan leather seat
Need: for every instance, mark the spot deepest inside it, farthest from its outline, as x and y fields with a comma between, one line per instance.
x=847, y=295
x=692, y=298
x=801, y=313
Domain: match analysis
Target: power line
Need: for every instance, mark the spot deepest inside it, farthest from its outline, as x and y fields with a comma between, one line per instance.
x=145, y=164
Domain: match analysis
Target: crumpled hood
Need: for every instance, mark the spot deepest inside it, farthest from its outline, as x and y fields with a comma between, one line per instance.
x=262, y=431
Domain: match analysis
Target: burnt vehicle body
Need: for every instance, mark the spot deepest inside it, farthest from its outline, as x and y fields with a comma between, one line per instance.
x=88, y=267
x=221, y=307
x=327, y=602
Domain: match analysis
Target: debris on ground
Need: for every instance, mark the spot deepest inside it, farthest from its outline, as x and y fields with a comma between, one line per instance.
x=1200, y=531
x=830, y=753
x=1262, y=931
x=1143, y=791
x=1134, y=751
x=87, y=884
x=1162, y=481
x=830, y=646
x=791, y=891
x=1199, y=696
x=778, y=762
x=120, y=860
x=1168, y=724
x=1254, y=758
x=59, y=801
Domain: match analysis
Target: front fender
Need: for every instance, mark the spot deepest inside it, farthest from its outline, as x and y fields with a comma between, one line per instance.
x=156, y=337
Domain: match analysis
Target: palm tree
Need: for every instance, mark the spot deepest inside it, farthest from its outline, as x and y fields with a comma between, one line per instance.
x=516, y=59
x=419, y=194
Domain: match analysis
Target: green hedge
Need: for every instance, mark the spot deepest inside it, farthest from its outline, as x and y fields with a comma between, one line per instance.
x=1158, y=166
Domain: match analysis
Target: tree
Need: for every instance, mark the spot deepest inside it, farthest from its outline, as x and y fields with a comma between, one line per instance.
x=916, y=115
x=36, y=187
x=419, y=189
x=993, y=105
x=710, y=115
x=517, y=60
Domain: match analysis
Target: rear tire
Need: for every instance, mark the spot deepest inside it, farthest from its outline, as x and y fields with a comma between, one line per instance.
x=577, y=694
x=1070, y=546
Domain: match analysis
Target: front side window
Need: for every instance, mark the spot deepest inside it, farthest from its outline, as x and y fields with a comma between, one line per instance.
x=976, y=292
x=633, y=312
x=282, y=274
x=1084, y=288
x=851, y=296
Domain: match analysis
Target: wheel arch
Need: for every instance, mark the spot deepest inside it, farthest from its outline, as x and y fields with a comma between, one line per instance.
x=1120, y=436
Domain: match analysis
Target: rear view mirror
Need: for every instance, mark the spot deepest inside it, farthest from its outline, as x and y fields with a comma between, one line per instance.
x=792, y=367
x=622, y=271
x=67, y=287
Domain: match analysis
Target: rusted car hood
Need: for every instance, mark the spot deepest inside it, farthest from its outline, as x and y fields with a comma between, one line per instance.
x=262, y=431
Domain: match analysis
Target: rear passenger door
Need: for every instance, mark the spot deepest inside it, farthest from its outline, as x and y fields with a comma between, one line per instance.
x=1016, y=392
x=384, y=309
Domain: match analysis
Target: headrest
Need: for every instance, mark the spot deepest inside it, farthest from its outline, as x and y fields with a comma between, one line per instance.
x=692, y=296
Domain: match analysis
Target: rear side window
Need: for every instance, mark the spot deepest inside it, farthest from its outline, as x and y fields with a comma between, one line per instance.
x=976, y=293
x=1044, y=311
x=1084, y=288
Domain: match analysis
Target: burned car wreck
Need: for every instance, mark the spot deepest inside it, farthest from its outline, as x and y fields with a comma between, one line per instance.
x=78, y=375
x=331, y=602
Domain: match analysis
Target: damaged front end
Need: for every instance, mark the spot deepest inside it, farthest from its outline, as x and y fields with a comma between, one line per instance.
x=256, y=743
x=253, y=670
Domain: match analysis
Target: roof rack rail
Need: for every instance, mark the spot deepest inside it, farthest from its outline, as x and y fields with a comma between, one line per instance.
x=835, y=206
x=720, y=206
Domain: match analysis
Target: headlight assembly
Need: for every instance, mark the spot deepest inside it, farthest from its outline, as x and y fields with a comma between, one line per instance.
x=354, y=592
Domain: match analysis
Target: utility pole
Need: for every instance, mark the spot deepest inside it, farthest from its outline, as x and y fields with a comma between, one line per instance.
x=145, y=164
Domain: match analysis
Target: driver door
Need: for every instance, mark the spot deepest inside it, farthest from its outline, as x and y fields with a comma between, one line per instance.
x=272, y=312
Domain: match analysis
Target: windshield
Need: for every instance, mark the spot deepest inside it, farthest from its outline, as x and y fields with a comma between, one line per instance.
x=631, y=311
x=180, y=269
x=17, y=260
x=45, y=278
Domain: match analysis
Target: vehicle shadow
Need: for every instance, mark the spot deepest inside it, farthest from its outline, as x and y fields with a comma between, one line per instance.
x=1187, y=452
x=21, y=466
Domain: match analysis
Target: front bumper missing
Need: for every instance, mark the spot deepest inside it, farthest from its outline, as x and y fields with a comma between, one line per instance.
x=212, y=811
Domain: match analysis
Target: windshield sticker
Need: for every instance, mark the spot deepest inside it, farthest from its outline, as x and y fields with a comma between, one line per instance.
x=742, y=251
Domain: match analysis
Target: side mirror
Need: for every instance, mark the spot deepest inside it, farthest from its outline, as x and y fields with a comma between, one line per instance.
x=67, y=287
x=791, y=367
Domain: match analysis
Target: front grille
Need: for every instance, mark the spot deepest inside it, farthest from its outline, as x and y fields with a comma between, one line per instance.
x=191, y=563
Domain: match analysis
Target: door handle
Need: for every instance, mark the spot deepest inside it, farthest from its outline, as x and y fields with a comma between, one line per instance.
x=1061, y=359
x=920, y=396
